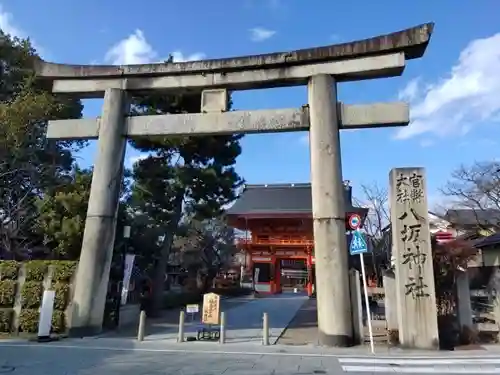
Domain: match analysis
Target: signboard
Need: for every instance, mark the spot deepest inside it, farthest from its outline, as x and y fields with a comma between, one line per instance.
x=354, y=221
x=46, y=311
x=358, y=243
x=127, y=274
x=211, y=308
x=192, y=309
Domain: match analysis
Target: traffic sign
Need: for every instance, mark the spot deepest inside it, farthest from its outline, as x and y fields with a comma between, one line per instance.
x=358, y=243
x=354, y=221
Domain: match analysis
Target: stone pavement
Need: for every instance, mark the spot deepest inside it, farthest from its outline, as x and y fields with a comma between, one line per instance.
x=127, y=357
x=243, y=320
x=303, y=329
x=244, y=323
x=167, y=325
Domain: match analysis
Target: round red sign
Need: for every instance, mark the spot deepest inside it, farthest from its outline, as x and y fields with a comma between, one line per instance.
x=354, y=221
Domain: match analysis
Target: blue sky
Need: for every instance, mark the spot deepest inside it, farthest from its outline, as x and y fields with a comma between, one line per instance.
x=454, y=90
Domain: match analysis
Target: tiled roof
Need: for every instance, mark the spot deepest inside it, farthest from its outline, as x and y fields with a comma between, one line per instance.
x=280, y=199
x=473, y=217
x=494, y=239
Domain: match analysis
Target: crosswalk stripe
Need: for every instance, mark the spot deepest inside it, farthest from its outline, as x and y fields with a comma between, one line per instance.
x=422, y=366
x=423, y=370
x=423, y=361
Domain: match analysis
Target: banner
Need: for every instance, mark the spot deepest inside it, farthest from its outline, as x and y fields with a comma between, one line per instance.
x=127, y=274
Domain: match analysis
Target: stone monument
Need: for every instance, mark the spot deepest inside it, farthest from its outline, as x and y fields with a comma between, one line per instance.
x=411, y=239
x=319, y=68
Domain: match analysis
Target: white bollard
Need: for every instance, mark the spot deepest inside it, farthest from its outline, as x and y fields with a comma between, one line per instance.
x=222, y=337
x=142, y=326
x=180, y=337
x=265, y=329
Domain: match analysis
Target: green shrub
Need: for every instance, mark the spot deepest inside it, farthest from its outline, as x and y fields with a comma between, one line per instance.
x=28, y=320
x=6, y=319
x=63, y=270
x=36, y=270
x=31, y=294
x=9, y=269
x=61, y=298
x=7, y=292
x=58, y=321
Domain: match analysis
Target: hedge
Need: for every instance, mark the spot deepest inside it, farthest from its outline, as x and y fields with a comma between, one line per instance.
x=9, y=270
x=31, y=293
x=6, y=320
x=7, y=293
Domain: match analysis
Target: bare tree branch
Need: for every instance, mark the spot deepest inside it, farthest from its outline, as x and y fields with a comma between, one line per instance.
x=476, y=187
x=376, y=199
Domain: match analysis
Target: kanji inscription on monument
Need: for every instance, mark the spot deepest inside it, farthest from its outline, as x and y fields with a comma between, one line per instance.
x=417, y=317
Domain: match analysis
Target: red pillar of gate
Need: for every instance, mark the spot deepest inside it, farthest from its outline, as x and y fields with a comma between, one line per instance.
x=309, y=275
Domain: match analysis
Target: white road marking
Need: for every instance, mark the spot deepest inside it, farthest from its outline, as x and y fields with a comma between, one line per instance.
x=457, y=365
x=423, y=370
x=423, y=361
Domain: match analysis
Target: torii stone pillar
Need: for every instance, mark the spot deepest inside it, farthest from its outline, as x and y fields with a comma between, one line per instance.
x=319, y=68
x=92, y=278
x=329, y=213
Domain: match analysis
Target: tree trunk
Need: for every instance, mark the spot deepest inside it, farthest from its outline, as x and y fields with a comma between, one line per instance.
x=161, y=265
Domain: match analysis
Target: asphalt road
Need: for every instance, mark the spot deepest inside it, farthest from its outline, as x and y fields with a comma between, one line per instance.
x=124, y=357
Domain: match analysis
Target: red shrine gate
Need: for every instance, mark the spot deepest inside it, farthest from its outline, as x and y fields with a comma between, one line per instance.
x=279, y=244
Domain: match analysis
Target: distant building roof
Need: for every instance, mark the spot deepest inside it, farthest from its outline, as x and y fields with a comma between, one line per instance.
x=494, y=239
x=471, y=217
x=282, y=199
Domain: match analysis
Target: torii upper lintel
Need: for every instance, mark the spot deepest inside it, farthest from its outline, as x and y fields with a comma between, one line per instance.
x=412, y=42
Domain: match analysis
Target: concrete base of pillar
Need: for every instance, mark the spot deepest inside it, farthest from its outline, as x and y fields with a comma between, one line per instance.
x=464, y=301
x=391, y=306
x=88, y=331
x=357, y=307
x=341, y=341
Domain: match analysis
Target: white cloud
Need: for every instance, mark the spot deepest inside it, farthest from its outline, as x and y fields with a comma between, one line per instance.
x=179, y=56
x=134, y=159
x=135, y=49
x=426, y=143
x=466, y=97
x=8, y=26
x=259, y=34
x=410, y=91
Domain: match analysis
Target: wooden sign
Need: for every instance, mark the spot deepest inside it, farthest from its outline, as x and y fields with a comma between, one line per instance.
x=211, y=308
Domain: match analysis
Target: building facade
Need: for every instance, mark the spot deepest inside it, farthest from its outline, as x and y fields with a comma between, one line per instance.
x=277, y=240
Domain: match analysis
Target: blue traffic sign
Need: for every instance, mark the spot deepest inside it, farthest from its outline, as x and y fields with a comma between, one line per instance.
x=358, y=243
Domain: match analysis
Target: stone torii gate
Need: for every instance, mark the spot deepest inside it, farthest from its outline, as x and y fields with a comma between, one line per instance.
x=318, y=68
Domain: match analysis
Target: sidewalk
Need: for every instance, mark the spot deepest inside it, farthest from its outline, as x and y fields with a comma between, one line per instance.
x=244, y=323
x=243, y=320
x=167, y=325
